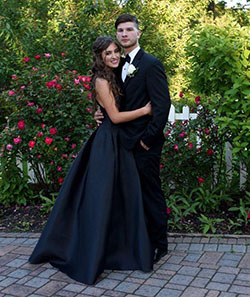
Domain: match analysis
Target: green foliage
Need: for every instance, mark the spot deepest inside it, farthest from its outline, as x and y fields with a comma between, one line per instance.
x=191, y=151
x=243, y=210
x=209, y=223
x=51, y=118
x=219, y=55
x=14, y=188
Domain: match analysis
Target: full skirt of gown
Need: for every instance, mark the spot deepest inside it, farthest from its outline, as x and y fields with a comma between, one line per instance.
x=98, y=219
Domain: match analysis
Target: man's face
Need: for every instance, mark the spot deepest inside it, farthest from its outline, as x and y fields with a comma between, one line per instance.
x=128, y=35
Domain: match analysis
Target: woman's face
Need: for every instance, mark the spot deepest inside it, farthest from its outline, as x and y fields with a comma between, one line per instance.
x=111, y=56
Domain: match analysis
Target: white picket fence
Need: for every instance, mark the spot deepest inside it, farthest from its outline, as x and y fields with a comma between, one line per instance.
x=185, y=115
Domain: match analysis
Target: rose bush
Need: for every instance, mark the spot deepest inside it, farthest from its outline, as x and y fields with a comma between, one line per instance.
x=51, y=117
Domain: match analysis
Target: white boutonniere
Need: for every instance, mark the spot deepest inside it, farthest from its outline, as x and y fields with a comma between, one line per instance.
x=132, y=70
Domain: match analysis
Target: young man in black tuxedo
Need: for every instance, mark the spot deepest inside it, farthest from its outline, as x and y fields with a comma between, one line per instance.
x=142, y=78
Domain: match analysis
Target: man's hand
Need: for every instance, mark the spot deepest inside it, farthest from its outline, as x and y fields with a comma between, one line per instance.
x=98, y=116
x=144, y=145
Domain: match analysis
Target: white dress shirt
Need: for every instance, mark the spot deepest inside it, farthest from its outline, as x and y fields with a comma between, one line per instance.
x=126, y=65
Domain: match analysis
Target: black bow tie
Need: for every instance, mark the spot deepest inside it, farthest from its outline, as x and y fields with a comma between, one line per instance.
x=127, y=59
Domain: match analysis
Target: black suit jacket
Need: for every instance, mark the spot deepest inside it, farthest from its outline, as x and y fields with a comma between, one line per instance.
x=148, y=84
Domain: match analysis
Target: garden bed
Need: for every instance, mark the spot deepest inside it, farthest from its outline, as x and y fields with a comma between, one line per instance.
x=33, y=219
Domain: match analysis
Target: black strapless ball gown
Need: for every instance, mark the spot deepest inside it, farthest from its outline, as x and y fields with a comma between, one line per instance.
x=98, y=219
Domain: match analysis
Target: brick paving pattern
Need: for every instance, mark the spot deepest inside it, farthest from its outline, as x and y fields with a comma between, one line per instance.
x=196, y=266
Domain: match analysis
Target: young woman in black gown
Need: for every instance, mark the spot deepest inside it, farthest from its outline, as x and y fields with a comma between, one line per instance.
x=98, y=220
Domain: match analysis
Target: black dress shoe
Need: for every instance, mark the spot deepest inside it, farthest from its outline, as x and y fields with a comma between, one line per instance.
x=159, y=253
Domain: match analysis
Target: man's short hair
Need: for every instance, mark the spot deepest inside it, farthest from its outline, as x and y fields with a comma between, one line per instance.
x=126, y=18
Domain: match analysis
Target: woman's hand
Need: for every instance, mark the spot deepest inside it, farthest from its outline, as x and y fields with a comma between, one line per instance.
x=148, y=108
x=98, y=116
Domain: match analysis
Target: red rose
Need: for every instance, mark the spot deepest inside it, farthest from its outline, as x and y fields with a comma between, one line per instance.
x=32, y=143
x=48, y=140
x=21, y=125
x=37, y=57
x=26, y=59
x=88, y=78
x=190, y=145
x=201, y=180
x=40, y=134
x=168, y=210
x=207, y=131
x=53, y=131
x=60, y=180
x=39, y=110
x=210, y=151
x=43, y=126
x=88, y=109
x=181, y=94
x=89, y=95
x=59, y=87
x=198, y=100
x=86, y=86
x=161, y=166
x=63, y=54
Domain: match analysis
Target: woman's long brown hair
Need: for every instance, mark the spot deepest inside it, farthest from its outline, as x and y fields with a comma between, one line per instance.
x=101, y=70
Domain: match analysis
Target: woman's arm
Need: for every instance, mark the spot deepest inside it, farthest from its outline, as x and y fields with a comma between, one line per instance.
x=106, y=99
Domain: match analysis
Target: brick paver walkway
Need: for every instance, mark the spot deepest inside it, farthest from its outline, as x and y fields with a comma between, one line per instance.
x=196, y=266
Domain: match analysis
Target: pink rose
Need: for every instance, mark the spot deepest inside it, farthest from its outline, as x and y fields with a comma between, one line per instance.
x=48, y=140
x=22, y=87
x=52, y=162
x=73, y=145
x=34, y=69
x=89, y=95
x=200, y=180
x=39, y=134
x=74, y=72
x=63, y=54
x=17, y=140
x=176, y=147
x=207, y=131
x=47, y=55
x=161, y=166
x=77, y=81
x=39, y=156
x=32, y=143
x=182, y=134
x=168, y=210
x=11, y=93
x=167, y=133
x=64, y=156
x=39, y=110
x=26, y=59
x=9, y=147
x=37, y=57
x=66, y=138
x=57, y=77
x=190, y=145
x=53, y=131
x=14, y=77
x=86, y=86
x=30, y=103
x=21, y=124
x=88, y=78
x=59, y=168
x=89, y=109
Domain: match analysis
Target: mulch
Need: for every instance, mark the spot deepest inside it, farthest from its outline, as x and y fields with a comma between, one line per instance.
x=33, y=218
